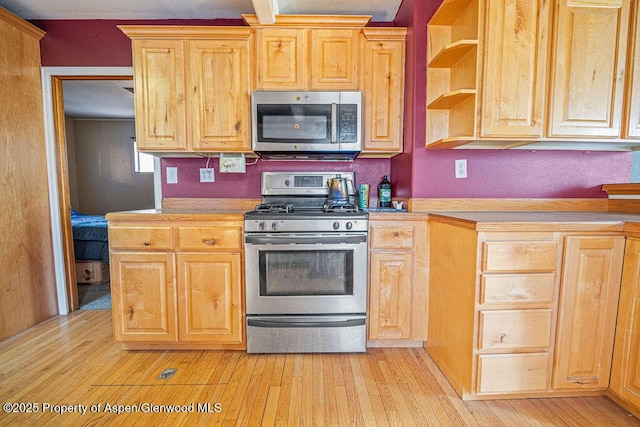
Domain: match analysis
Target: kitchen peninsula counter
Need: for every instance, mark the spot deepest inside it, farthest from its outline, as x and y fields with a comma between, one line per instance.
x=538, y=221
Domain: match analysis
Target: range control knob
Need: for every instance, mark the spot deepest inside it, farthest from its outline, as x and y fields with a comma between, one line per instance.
x=262, y=225
x=349, y=225
x=274, y=225
x=336, y=225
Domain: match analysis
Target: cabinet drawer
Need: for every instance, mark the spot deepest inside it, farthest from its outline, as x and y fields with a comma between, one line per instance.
x=517, y=288
x=392, y=236
x=141, y=237
x=511, y=373
x=519, y=256
x=511, y=329
x=209, y=238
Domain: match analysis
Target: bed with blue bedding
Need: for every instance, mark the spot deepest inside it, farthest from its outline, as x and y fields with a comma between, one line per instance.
x=90, y=237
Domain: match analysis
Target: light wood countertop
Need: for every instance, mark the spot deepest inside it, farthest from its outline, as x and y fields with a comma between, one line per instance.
x=537, y=221
x=178, y=215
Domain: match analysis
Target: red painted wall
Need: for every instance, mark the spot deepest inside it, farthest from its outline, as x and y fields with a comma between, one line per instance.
x=491, y=173
x=416, y=173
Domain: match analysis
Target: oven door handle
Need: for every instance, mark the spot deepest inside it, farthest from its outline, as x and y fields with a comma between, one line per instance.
x=302, y=324
x=325, y=240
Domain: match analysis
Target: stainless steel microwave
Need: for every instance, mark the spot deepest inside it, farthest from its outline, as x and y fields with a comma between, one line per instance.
x=306, y=125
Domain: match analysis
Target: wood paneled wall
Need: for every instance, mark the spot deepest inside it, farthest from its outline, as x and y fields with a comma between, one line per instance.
x=27, y=282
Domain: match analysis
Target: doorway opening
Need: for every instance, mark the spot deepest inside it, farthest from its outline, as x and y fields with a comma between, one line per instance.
x=61, y=195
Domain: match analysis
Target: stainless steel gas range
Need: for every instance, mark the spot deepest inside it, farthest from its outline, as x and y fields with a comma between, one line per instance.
x=306, y=267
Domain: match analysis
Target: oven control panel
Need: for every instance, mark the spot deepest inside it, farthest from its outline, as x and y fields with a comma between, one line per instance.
x=315, y=225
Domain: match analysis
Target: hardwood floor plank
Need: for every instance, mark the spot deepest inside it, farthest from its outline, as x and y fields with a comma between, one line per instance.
x=269, y=416
x=76, y=362
x=282, y=412
x=295, y=402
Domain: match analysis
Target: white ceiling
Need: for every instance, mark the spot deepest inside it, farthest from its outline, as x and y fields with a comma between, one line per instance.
x=107, y=99
x=98, y=99
x=380, y=10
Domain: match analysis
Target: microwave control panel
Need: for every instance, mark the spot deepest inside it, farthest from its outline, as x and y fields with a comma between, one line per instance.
x=348, y=123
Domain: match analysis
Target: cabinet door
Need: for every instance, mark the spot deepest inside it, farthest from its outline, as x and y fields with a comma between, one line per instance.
x=219, y=76
x=209, y=297
x=625, y=371
x=334, y=59
x=587, y=311
x=143, y=296
x=588, y=64
x=383, y=93
x=632, y=122
x=390, y=295
x=158, y=69
x=515, y=67
x=281, y=59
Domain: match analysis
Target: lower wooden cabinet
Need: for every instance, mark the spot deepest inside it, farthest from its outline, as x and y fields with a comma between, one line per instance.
x=625, y=369
x=587, y=311
x=523, y=314
x=177, y=285
x=143, y=296
x=209, y=297
x=398, y=287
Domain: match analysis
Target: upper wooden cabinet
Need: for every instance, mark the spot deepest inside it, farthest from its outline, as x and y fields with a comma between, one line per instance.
x=632, y=105
x=304, y=52
x=587, y=85
x=506, y=74
x=486, y=60
x=192, y=88
x=383, y=91
x=193, y=84
x=280, y=63
x=159, y=80
x=514, y=68
x=219, y=85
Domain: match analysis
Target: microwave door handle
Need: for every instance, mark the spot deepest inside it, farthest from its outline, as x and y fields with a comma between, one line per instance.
x=334, y=119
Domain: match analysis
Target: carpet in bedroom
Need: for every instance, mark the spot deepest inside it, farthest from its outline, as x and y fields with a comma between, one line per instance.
x=94, y=297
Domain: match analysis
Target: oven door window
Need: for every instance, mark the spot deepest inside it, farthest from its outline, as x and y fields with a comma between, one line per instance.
x=294, y=123
x=306, y=273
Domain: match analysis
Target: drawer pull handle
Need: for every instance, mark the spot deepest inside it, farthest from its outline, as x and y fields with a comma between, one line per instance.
x=147, y=243
x=210, y=242
x=502, y=337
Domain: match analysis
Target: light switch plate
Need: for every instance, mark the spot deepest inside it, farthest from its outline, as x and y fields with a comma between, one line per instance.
x=172, y=175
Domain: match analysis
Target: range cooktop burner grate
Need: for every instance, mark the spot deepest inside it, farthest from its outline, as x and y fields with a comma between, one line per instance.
x=274, y=208
x=340, y=207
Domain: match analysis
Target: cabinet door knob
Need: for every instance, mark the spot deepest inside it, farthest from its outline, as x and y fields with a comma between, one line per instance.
x=147, y=243
x=210, y=242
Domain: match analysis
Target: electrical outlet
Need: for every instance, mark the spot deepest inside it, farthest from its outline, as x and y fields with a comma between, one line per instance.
x=172, y=175
x=232, y=163
x=206, y=175
x=461, y=168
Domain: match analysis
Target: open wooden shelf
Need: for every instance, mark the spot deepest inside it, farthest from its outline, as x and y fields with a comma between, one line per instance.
x=449, y=11
x=452, y=53
x=447, y=143
x=451, y=99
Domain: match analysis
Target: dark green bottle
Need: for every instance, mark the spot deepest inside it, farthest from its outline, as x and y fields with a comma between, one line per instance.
x=384, y=193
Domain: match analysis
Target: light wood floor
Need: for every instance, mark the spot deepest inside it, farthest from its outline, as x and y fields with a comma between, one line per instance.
x=73, y=360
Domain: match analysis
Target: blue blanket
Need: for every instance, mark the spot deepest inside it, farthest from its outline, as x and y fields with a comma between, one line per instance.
x=90, y=237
